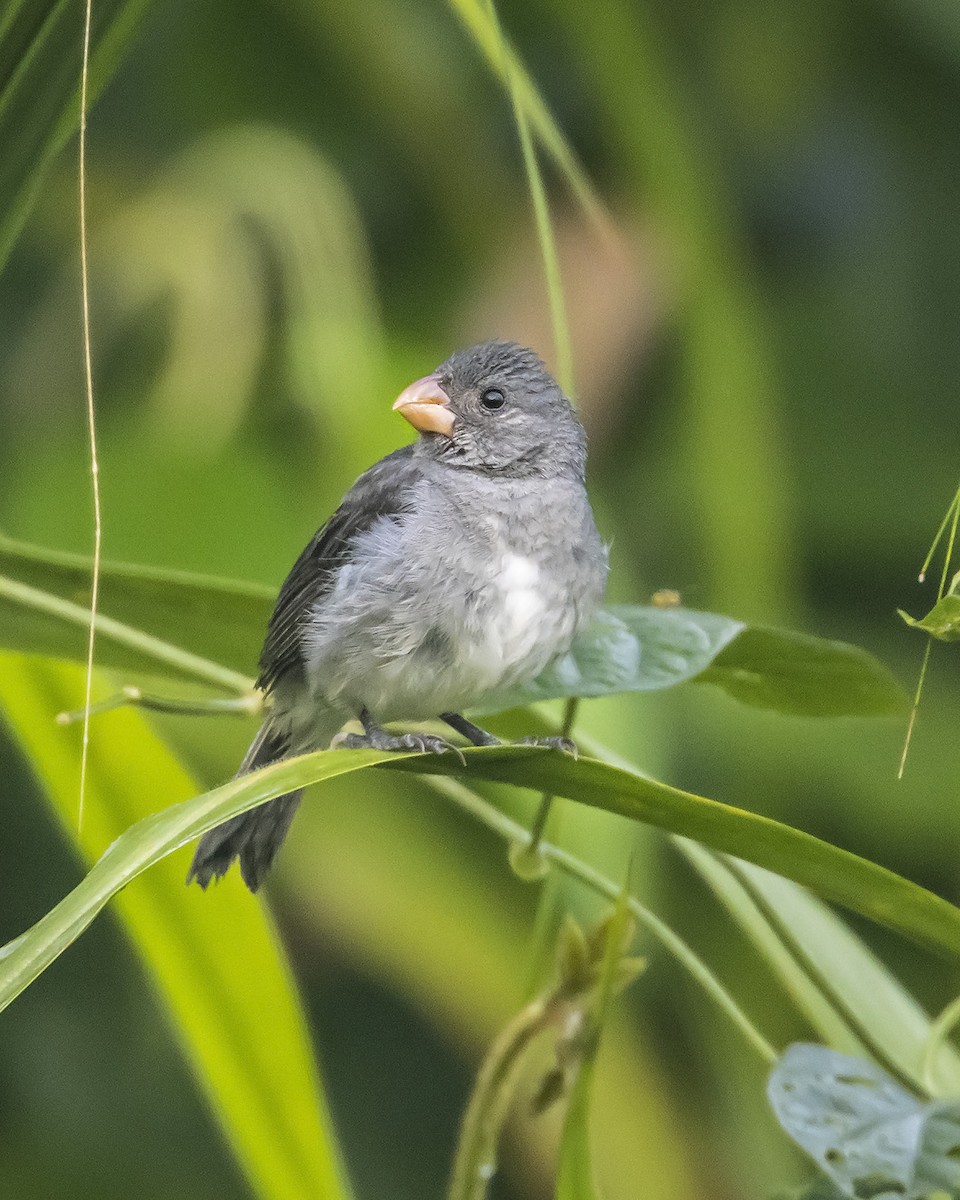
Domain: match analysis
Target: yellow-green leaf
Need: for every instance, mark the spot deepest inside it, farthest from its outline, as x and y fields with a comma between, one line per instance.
x=214, y=958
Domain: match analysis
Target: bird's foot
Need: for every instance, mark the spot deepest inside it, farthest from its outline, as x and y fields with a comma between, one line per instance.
x=564, y=744
x=375, y=738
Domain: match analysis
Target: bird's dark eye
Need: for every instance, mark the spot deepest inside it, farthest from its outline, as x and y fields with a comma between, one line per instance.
x=493, y=399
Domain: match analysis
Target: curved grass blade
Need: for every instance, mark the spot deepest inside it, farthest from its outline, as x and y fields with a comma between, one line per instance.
x=835, y=874
x=214, y=960
x=506, y=64
x=878, y=1008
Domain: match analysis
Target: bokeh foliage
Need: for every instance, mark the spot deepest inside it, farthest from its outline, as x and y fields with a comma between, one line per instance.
x=296, y=208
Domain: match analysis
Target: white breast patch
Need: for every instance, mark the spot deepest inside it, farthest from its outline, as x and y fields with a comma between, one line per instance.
x=522, y=601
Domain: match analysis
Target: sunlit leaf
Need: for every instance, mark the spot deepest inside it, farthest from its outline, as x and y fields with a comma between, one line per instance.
x=214, y=959
x=871, y=1137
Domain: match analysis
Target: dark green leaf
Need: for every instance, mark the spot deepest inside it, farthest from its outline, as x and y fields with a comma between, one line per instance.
x=869, y=1135
x=803, y=675
x=942, y=621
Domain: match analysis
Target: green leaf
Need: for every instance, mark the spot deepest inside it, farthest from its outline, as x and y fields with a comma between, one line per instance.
x=214, y=959
x=942, y=621
x=836, y=874
x=40, y=42
x=804, y=675
x=629, y=649
x=870, y=1136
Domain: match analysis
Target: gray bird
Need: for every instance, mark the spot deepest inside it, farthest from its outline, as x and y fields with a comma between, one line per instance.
x=454, y=567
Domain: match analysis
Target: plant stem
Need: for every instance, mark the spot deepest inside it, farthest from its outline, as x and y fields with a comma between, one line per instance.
x=475, y=1161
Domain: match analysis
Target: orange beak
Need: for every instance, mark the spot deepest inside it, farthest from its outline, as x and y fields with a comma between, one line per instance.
x=426, y=406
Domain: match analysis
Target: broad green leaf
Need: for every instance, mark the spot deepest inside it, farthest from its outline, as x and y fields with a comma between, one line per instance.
x=836, y=874
x=942, y=621
x=40, y=43
x=627, y=648
x=872, y=1138
x=804, y=675
x=214, y=959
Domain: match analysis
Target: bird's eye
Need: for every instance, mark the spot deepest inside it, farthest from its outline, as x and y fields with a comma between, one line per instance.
x=493, y=399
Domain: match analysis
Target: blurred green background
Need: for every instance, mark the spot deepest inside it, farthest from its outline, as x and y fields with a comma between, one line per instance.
x=296, y=208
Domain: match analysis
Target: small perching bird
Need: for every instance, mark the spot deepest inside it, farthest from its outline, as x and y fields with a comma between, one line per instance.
x=454, y=567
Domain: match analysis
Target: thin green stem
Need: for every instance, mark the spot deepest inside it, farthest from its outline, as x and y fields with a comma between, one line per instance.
x=539, y=825
x=951, y=543
x=541, y=212
x=916, y=707
x=238, y=706
x=503, y=825
x=476, y=1158
x=191, y=665
x=502, y=58
x=952, y=510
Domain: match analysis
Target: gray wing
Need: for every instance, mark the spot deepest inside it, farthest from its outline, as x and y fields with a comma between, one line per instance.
x=380, y=491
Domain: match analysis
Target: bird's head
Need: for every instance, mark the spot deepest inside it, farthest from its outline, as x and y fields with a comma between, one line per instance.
x=496, y=408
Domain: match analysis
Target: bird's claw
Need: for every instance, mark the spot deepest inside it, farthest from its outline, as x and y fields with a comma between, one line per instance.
x=420, y=743
x=564, y=744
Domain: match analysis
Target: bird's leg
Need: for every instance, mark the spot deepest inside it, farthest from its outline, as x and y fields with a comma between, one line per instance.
x=473, y=733
x=375, y=737
x=480, y=737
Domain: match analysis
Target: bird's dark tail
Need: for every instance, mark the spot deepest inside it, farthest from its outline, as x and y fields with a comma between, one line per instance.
x=255, y=836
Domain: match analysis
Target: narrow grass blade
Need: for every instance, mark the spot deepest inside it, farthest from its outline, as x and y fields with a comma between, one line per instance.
x=836, y=874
